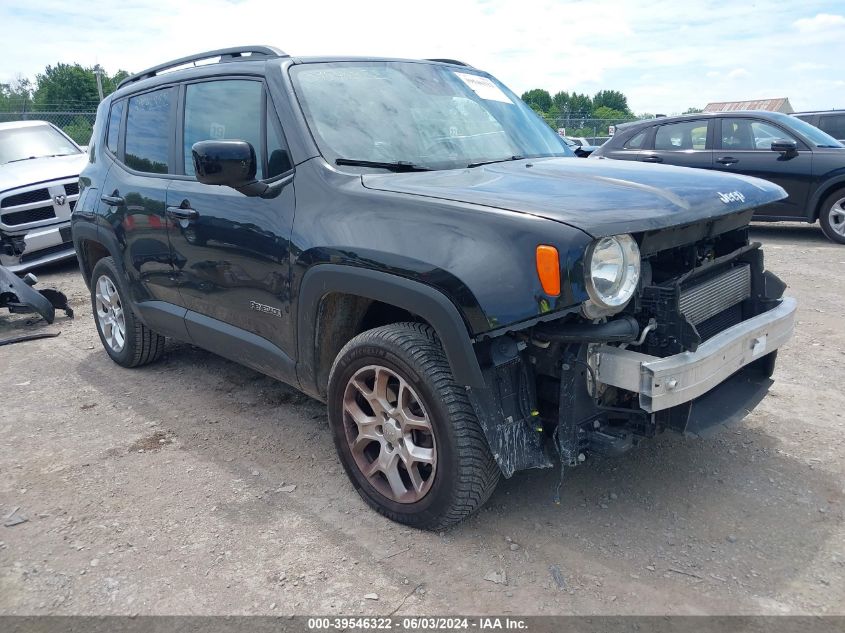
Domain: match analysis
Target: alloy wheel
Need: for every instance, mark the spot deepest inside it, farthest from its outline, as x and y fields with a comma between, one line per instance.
x=110, y=314
x=389, y=434
x=837, y=216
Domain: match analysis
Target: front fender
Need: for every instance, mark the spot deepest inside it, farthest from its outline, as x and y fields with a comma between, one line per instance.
x=418, y=298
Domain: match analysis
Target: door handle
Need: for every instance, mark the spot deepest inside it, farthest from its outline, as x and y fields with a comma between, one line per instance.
x=113, y=200
x=651, y=159
x=727, y=160
x=182, y=213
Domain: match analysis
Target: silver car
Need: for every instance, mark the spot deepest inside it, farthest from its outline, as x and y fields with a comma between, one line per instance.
x=39, y=186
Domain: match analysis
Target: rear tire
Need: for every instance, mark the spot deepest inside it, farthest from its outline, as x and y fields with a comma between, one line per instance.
x=126, y=340
x=832, y=216
x=405, y=431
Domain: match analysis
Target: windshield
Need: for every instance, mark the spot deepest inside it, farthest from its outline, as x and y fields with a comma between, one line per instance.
x=35, y=141
x=426, y=115
x=812, y=133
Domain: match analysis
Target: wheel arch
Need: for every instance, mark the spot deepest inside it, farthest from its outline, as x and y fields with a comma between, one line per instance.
x=824, y=192
x=358, y=297
x=91, y=247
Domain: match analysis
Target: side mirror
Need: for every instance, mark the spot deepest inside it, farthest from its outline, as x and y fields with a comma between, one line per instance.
x=229, y=163
x=784, y=146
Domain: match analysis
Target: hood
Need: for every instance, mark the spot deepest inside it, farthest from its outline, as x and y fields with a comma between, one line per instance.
x=36, y=170
x=599, y=197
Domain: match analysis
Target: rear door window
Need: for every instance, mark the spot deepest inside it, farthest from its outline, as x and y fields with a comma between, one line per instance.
x=148, y=131
x=685, y=135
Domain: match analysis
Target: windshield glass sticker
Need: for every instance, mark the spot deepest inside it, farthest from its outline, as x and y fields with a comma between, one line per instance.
x=483, y=87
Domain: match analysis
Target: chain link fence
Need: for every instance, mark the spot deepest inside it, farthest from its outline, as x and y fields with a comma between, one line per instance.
x=594, y=131
x=77, y=124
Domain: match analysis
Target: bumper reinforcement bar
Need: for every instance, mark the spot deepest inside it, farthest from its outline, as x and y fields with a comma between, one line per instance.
x=663, y=383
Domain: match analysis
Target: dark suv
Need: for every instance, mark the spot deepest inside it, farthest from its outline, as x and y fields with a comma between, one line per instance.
x=807, y=162
x=408, y=242
x=830, y=121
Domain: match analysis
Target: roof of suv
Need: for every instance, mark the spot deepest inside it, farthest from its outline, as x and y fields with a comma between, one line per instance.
x=246, y=55
x=699, y=115
x=832, y=111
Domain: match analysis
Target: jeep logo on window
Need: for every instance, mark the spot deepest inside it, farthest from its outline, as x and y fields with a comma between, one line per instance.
x=733, y=196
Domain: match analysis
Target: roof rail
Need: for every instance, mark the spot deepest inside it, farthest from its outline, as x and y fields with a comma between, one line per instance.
x=449, y=61
x=225, y=54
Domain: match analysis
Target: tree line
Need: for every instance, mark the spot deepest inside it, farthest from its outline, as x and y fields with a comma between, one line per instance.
x=582, y=115
x=57, y=95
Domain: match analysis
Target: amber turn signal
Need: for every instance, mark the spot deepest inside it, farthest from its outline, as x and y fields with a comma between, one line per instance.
x=548, y=269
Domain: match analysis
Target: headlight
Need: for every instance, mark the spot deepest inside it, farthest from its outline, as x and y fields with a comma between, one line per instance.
x=613, y=270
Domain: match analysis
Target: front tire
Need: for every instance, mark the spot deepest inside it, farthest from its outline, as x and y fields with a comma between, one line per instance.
x=405, y=431
x=127, y=341
x=832, y=216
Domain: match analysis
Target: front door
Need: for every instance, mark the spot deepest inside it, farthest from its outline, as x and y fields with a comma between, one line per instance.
x=232, y=252
x=744, y=147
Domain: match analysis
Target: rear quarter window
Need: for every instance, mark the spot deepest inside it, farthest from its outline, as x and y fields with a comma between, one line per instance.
x=115, y=118
x=637, y=141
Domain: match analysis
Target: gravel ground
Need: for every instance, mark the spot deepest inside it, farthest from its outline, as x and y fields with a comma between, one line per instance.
x=195, y=486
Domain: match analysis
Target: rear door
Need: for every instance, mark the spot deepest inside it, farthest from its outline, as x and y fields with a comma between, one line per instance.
x=744, y=147
x=134, y=194
x=232, y=252
x=684, y=143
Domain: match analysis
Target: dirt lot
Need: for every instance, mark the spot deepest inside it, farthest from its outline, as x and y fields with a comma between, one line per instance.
x=168, y=490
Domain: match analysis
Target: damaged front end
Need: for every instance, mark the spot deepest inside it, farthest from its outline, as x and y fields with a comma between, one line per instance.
x=693, y=349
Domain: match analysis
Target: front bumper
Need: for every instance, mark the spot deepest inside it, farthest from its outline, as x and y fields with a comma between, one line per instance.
x=663, y=383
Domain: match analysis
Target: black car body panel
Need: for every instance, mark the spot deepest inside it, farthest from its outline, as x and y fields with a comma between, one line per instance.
x=598, y=198
x=281, y=281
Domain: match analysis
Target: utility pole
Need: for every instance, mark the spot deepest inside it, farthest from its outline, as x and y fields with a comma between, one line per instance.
x=98, y=73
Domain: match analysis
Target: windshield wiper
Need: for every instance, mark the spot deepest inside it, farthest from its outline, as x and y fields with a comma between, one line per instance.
x=496, y=160
x=399, y=165
x=510, y=158
x=17, y=160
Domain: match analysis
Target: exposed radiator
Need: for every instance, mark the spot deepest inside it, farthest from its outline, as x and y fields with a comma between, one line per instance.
x=717, y=294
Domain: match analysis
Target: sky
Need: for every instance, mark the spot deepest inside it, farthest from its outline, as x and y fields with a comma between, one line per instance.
x=665, y=55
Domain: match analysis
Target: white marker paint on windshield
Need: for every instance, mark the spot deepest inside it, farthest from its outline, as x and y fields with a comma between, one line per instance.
x=483, y=87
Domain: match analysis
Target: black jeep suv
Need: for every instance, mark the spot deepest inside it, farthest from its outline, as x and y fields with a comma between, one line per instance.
x=409, y=243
